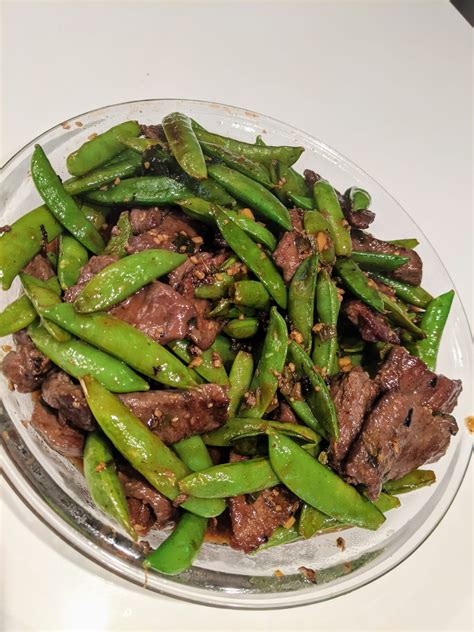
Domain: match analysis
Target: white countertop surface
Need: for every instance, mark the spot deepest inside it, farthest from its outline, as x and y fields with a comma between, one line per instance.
x=386, y=83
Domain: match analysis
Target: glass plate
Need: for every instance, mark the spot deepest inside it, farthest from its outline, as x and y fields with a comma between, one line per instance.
x=54, y=488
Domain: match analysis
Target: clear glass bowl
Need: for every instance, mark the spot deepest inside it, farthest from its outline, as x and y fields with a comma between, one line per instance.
x=54, y=488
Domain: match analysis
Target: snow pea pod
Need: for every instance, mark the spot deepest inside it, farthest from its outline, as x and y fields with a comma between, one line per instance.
x=319, y=486
x=319, y=398
x=281, y=535
x=358, y=199
x=217, y=289
x=124, y=277
x=121, y=233
x=240, y=377
x=303, y=411
x=410, y=243
x=356, y=281
x=252, y=193
x=250, y=168
x=250, y=294
x=148, y=191
x=257, y=152
x=184, y=145
x=413, y=294
x=270, y=365
x=211, y=367
x=230, y=479
x=193, y=452
x=143, y=449
x=258, y=262
x=103, y=175
x=61, y=204
x=41, y=297
x=288, y=180
x=240, y=328
x=325, y=339
x=224, y=347
x=124, y=342
x=240, y=427
x=17, y=315
x=100, y=149
x=72, y=256
x=316, y=224
x=301, y=296
x=411, y=481
x=399, y=315
x=77, y=358
x=378, y=261
x=432, y=324
x=328, y=204
x=301, y=201
x=208, y=190
x=180, y=549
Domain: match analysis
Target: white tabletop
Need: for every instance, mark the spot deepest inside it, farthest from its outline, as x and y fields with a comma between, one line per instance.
x=387, y=84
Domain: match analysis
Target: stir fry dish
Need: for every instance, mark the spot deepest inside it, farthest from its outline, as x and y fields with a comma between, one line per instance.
x=219, y=338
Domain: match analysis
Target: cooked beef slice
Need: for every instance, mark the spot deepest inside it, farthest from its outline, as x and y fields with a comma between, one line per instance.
x=254, y=522
x=60, y=393
x=372, y=325
x=159, y=311
x=410, y=272
x=142, y=220
x=89, y=270
x=40, y=268
x=59, y=436
x=155, y=132
x=157, y=228
x=175, y=415
x=353, y=394
x=142, y=518
x=25, y=367
x=293, y=247
x=358, y=219
x=285, y=414
x=311, y=177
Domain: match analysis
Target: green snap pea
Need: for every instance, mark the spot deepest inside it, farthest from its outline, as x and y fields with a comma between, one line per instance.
x=270, y=365
x=301, y=296
x=16, y=316
x=411, y=243
x=319, y=486
x=103, y=482
x=359, y=199
x=301, y=201
x=122, y=232
x=104, y=175
x=77, y=358
x=140, y=145
x=257, y=152
x=281, y=535
x=432, y=324
x=241, y=427
x=255, y=259
x=230, y=479
x=328, y=205
x=72, y=256
x=193, y=452
x=250, y=168
x=252, y=193
x=148, y=191
x=316, y=224
x=224, y=347
x=250, y=294
x=356, y=281
x=103, y=147
x=61, y=204
x=209, y=190
x=41, y=297
x=240, y=328
x=143, y=449
x=240, y=378
x=184, y=145
x=127, y=154
x=378, y=261
x=290, y=180
x=411, y=481
x=124, y=342
x=325, y=340
x=412, y=294
x=126, y=276
x=399, y=315
x=211, y=367
x=180, y=549
x=304, y=413
x=319, y=398
x=217, y=289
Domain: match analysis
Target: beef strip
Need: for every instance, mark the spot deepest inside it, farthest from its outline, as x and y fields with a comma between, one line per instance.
x=159, y=311
x=157, y=228
x=25, y=367
x=142, y=220
x=254, y=522
x=61, y=437
x=293, y=247
x=357, y=219
x=155, y=132
x=89, y=270
x=285, y=414
x=372, y=325
x=60, y=393
x=175, y=415
x=311, y=177
x=40, y=268
x=410, y=272
x=141, y=515
x=353, y=394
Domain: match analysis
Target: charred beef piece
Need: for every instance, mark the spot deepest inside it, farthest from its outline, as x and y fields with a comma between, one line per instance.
x=159, y=311
x=60, y=393
x=141, y=515
x=142, y=220
x=59, y=436
x=26, y=367
x=175, y=415
x=156, y=228
x=155, y=132
x=254, y=522
x=92, y=267
x=285, y=414
x=410, y=272
x=372, y=325
x=357, y=219
x=311, y=177
x=40, y=268
x=294, y=247
x=353, y=394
